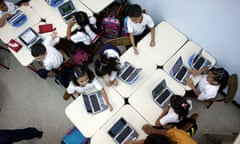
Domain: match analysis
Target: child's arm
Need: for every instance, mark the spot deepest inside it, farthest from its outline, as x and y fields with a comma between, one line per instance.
x=135, y=142
x=165, y=111
x=148, y=129
x=3, y=19
x=152, y=43
x=132, y=40
x=69, y=28
x=192, y=86
x=106, y=99
x=198, y=72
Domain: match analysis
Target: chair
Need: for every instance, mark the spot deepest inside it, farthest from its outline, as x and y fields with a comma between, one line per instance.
x=120, y=41
x=231, y=91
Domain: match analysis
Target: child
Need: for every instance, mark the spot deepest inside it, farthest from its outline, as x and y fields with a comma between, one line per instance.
x=83, y=81
x=208, y=86
x=45, y=52
x=108, y=64
x=138, y=26
x=88, y=32
x=178, y=109
x=8, y=8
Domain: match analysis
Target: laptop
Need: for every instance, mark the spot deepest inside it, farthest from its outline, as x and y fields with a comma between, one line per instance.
x=162, y=94
x=29, y=37
x=197, y=61
x=128, y=73
x=94, y=102
x=67, y=11
x=54, y=3
x=17, y=19
x=180, y=72
x=122, y=131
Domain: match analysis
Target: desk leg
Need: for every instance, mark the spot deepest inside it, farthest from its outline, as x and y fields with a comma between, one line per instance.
x=31, y=67
x=4, y=66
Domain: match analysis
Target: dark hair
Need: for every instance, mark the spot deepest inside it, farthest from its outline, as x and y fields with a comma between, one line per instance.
x=111, y=62
x=80, y=72
x=83, y=20
x=38, y=49
x=180, y=106
x=134, y=11
x=22, y=1
x=157, y=139
x=221, y=76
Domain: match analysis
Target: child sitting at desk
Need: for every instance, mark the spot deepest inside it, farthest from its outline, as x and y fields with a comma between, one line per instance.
x=178, y=109
x=46, y=53
x=138, y=26
x=209, y=85
x=8, y=8
x=108, y=64
x=88, y=32
x=85, y=80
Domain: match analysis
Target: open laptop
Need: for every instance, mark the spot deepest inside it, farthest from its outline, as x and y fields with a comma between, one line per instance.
x=29, y=37
x=197, y=61
x=17, y=19
x=67, y=11
x=122, y=131
x=54, y=3
x=162, y=94
x=179, y=71
x=128, y=73
x=94, y=102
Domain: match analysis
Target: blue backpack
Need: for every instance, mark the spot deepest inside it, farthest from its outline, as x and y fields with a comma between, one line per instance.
x=111, y=27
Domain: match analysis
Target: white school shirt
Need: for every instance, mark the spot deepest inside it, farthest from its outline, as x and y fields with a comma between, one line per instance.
x=83, y=37
x=53, y=58
x=138, y=28
x=94, y=84
x=111, y=53
x=207, y=90
x=11, y=8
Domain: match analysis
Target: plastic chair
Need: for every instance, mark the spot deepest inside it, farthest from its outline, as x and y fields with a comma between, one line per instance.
x=231, y=91
x=120, y=41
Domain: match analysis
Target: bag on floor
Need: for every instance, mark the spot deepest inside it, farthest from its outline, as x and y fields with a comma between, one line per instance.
x=81, y=58
x=64, y=75
x=111, y=27
x=74, y=136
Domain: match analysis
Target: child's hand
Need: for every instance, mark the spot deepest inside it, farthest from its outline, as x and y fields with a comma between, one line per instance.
x=54, y=34
x=152, y=43
x=147, y=128
x=110, y=107
x=190, y=82
x=71, y=23
x=135, y=50
x=194, y=72
x=157, y=123
x=129, y=142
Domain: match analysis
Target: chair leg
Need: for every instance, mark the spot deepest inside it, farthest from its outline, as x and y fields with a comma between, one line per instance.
x=6, y=67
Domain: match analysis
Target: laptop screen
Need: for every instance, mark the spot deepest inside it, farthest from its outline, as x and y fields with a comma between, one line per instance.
x=28, y=36
x=117, y=127
x=158, y=89
x=177, y=65
x=66, y=8
x=127, y=72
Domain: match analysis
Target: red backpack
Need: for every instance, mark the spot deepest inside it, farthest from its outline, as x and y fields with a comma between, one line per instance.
x=111, y=27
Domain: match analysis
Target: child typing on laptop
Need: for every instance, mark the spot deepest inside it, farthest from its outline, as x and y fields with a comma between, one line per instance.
x=84, y=80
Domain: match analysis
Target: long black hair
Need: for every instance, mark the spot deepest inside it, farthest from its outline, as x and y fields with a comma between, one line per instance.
x=180, y=106
x=221, y=76
x=80, y=72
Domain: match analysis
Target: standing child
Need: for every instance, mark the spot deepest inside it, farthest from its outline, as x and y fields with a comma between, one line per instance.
x=138, y=25
x=178, y=109
x=88, y=32
x=83, y=81
x=8, y=8
x=209, y=85
x=108, y=64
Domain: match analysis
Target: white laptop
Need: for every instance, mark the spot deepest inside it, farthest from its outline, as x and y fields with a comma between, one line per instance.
x=197, y=61
x=180, y=72
x=29, y=37
x=94, y=102
x=128, y=73
x=122, y=131
x=162, y=94
x=67, y=11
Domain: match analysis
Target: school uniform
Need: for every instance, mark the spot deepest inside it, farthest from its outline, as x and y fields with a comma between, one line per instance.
x=11, y=8
x=93, y=85
x=207, y=90
x=54, y=58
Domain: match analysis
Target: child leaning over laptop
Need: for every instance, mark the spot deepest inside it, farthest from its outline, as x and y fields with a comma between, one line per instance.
x=83, y=81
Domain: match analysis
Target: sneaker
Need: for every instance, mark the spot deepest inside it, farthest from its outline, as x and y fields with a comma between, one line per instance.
x=66, y=96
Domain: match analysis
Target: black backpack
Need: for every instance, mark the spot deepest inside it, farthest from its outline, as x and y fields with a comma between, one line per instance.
x=64, y=75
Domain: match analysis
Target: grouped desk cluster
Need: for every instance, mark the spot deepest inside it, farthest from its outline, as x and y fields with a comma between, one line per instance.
x=132, y=102
x=140, y=108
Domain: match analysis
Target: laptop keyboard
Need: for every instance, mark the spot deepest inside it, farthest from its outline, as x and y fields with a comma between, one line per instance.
x=163, y=96
x=87, y=103
x=199, y=63
x=124, y=134
x=181, y=73
x=67, y=18
x=95, y=103
x=132, y=76
x=127, y=72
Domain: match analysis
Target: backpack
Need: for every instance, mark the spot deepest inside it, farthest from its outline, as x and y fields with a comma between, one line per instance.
x=124, y=30
x=81, y=58
x=64, y=75
x=193, y=125
x=111, y=26
x=74, y=136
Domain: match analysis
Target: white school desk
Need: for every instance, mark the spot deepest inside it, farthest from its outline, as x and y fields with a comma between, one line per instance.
x=139, y=61
x=142, y=99
x=130, y=115
x=167, y=42
x=88, y=123
x=96, y=5
x=186, y=51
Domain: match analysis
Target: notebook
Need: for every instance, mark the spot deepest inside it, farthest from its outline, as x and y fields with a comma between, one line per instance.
x=94, y=102
x=162, y=94
x=128, y=73
x=179, y=71
x=17, y=19
x=122, y=131
x=67, y=11
x=29, y=37
x=197, y=61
